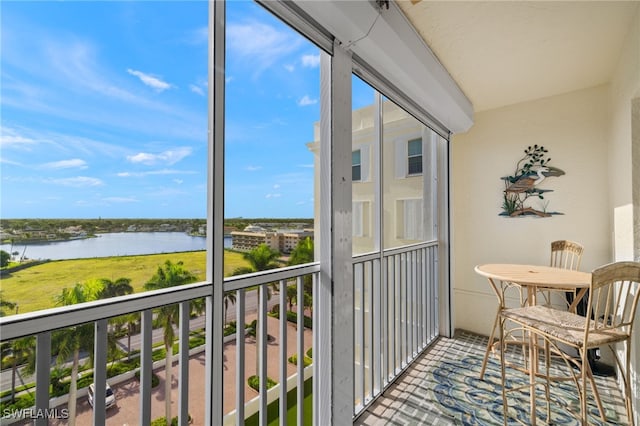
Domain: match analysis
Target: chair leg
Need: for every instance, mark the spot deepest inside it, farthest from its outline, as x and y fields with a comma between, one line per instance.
x=596, y=396
x=505, y=407
x=584, y=371
x=547, y=360
x=627, y=384
x=490, y=344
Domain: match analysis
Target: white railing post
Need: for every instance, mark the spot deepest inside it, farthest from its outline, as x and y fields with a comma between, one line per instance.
x=337, y=238
x=183, y=383
x=283, y=352
x=240, y=366
x=261, y=347
x=300, y=350
x=215, y=214
x=43, y=374
x=333, y=349
x=146, y=364
x=100, y=372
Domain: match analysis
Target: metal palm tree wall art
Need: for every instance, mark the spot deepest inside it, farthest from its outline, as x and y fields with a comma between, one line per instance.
x=521, y=188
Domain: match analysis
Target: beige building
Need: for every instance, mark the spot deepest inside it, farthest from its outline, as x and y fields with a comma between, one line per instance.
x=407, y=171
x=284, y=242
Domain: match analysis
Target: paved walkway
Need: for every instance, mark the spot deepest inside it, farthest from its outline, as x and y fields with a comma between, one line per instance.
x=127, y=393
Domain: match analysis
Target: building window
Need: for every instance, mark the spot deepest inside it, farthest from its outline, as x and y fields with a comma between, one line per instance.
x=360, y=220
x=356, y=165
x=410, y=219
x=414, y=149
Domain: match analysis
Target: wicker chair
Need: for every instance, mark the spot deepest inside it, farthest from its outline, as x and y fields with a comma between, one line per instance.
x=613, y=299
x=564, y=254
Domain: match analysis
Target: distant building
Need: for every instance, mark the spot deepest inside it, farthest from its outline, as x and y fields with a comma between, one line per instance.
x=282, y=240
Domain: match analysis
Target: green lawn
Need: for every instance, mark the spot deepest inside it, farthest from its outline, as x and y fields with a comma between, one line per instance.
x=292, y=408
x=35, y=288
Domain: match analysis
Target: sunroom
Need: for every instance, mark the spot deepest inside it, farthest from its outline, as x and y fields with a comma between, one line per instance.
x=422, y=108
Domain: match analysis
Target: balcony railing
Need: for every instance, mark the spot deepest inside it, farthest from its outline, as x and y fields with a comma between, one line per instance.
x=396, y=315
x=395, y=318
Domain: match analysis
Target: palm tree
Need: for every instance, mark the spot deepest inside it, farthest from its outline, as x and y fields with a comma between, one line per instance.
x=18, y=352
x=169, y=275
x=74, y=339
x=229, y=298
x=129, y=321
x=262, y=258
x=303, y=253
x=119, y=287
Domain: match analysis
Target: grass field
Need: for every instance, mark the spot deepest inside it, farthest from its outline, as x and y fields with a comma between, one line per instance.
x=34, y=288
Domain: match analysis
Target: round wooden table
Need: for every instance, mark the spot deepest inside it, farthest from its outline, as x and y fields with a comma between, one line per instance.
x=502, y=276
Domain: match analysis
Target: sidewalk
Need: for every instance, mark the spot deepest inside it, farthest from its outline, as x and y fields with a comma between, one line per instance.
x=127, y=393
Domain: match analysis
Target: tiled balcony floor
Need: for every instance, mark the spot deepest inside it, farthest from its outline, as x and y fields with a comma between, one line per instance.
x=443, y=388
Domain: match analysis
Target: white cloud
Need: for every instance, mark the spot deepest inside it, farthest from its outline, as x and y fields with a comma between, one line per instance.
x=10, y=137
x=290, y=68
x=156, y=172
x=74, y=163
x=178, y=181
x=77, y=182
x=228, y=79
x=196, y=89
x=120, y=200
x=169, y=157
x=260, y=44
x=310, y=61
x=154, y=82
x=253, y=168
x=273, y=195
x=276, y=186
x=306, y=100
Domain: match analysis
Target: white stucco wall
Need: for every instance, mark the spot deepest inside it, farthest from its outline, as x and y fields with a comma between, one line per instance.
x=573, y=127
x=624, y=177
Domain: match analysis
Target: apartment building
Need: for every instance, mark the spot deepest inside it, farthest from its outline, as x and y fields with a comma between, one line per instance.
x=283, y=241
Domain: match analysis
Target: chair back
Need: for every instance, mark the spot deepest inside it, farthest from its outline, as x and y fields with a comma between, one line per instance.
x=613, y=298
x=566, y=254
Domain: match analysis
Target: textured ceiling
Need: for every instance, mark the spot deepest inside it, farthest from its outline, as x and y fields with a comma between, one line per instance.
x=505, y=52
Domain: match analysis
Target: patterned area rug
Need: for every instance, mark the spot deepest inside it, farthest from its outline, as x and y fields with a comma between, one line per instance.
x=463, y=396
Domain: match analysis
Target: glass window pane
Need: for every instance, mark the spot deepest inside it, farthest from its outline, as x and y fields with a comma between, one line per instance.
x=272, y=147
x=415, y=147
x=107, y=123
x=272, y=114
x=355, y=173
x=364, y=176
x=415, y=165
x=355, y=157
x=406, y=206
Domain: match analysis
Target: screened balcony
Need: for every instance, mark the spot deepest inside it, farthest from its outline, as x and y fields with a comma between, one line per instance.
x=396, y=240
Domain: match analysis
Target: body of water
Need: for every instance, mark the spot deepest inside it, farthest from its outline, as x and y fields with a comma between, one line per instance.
x=113, y=244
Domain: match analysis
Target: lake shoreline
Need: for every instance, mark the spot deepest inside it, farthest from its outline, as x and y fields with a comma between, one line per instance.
x=111, y=244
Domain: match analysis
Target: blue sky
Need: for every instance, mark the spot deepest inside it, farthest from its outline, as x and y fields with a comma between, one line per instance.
x=104, y=111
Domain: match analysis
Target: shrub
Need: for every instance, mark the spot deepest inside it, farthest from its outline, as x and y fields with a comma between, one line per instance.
x=254, y=382
x=293, y=317
x=310, y=352
x=22, y=401
x=293, y=359
x=161, y=421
